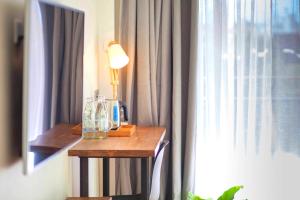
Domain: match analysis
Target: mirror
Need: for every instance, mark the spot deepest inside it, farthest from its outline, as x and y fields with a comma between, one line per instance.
x=53, y=81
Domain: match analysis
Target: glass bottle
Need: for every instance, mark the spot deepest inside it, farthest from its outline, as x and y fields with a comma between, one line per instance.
x=102, y=118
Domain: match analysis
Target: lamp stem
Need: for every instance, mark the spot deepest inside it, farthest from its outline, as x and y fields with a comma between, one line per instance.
x=115, y=91
x=115, y=82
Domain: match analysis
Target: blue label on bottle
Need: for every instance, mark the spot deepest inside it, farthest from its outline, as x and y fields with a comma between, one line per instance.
x=115, y=114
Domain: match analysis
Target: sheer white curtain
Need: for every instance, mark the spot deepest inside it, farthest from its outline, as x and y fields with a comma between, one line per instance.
x=36, y=72
x=36, y=76
x=248, y=98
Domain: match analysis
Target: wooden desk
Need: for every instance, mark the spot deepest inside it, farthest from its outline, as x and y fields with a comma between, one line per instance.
x=88, y=198
x=55, y=139
x=144, y=144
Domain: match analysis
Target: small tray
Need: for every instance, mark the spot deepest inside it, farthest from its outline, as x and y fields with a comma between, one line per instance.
x=77, y=129
x=123, y=131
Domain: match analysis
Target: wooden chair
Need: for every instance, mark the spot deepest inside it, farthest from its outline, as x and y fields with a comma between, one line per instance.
x=155, y=183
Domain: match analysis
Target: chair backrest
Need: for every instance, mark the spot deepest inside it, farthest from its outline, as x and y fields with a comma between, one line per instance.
x=155, y=184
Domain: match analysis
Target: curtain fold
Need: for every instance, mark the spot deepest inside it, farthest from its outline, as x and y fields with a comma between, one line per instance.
x=63, y=32
x=125, y=183
x=72, y=71
x=234, y=103
x=189, y=167
x=227, y=95
x=155, y=34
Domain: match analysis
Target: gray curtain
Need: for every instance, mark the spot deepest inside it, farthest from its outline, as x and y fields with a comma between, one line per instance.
x=64, y=31
x=156, y=36
x=189, y=167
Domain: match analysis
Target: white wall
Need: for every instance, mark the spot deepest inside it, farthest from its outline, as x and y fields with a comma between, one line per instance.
x=106, y=33
x=53, y=180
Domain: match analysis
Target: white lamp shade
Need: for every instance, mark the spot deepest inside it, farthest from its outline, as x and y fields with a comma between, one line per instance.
x=117, y=56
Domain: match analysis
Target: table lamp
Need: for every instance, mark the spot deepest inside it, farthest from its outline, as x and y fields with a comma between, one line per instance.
x=117, y=59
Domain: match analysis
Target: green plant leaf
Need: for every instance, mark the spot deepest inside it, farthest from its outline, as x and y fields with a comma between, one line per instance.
x=229, y=194
x=195, y=197
x=191, y=196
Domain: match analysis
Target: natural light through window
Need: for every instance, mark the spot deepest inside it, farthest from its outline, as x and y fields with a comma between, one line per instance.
x=248, y=79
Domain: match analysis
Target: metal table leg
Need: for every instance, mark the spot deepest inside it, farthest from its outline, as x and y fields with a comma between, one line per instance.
x=145, y=179
x=105, y=176
x=84, y=177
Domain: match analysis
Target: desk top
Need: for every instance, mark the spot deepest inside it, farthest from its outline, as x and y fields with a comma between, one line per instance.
x=143, y=143
x=55, y=139
x=89, y=198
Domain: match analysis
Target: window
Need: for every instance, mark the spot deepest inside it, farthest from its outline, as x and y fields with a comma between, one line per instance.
x=248, y=98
